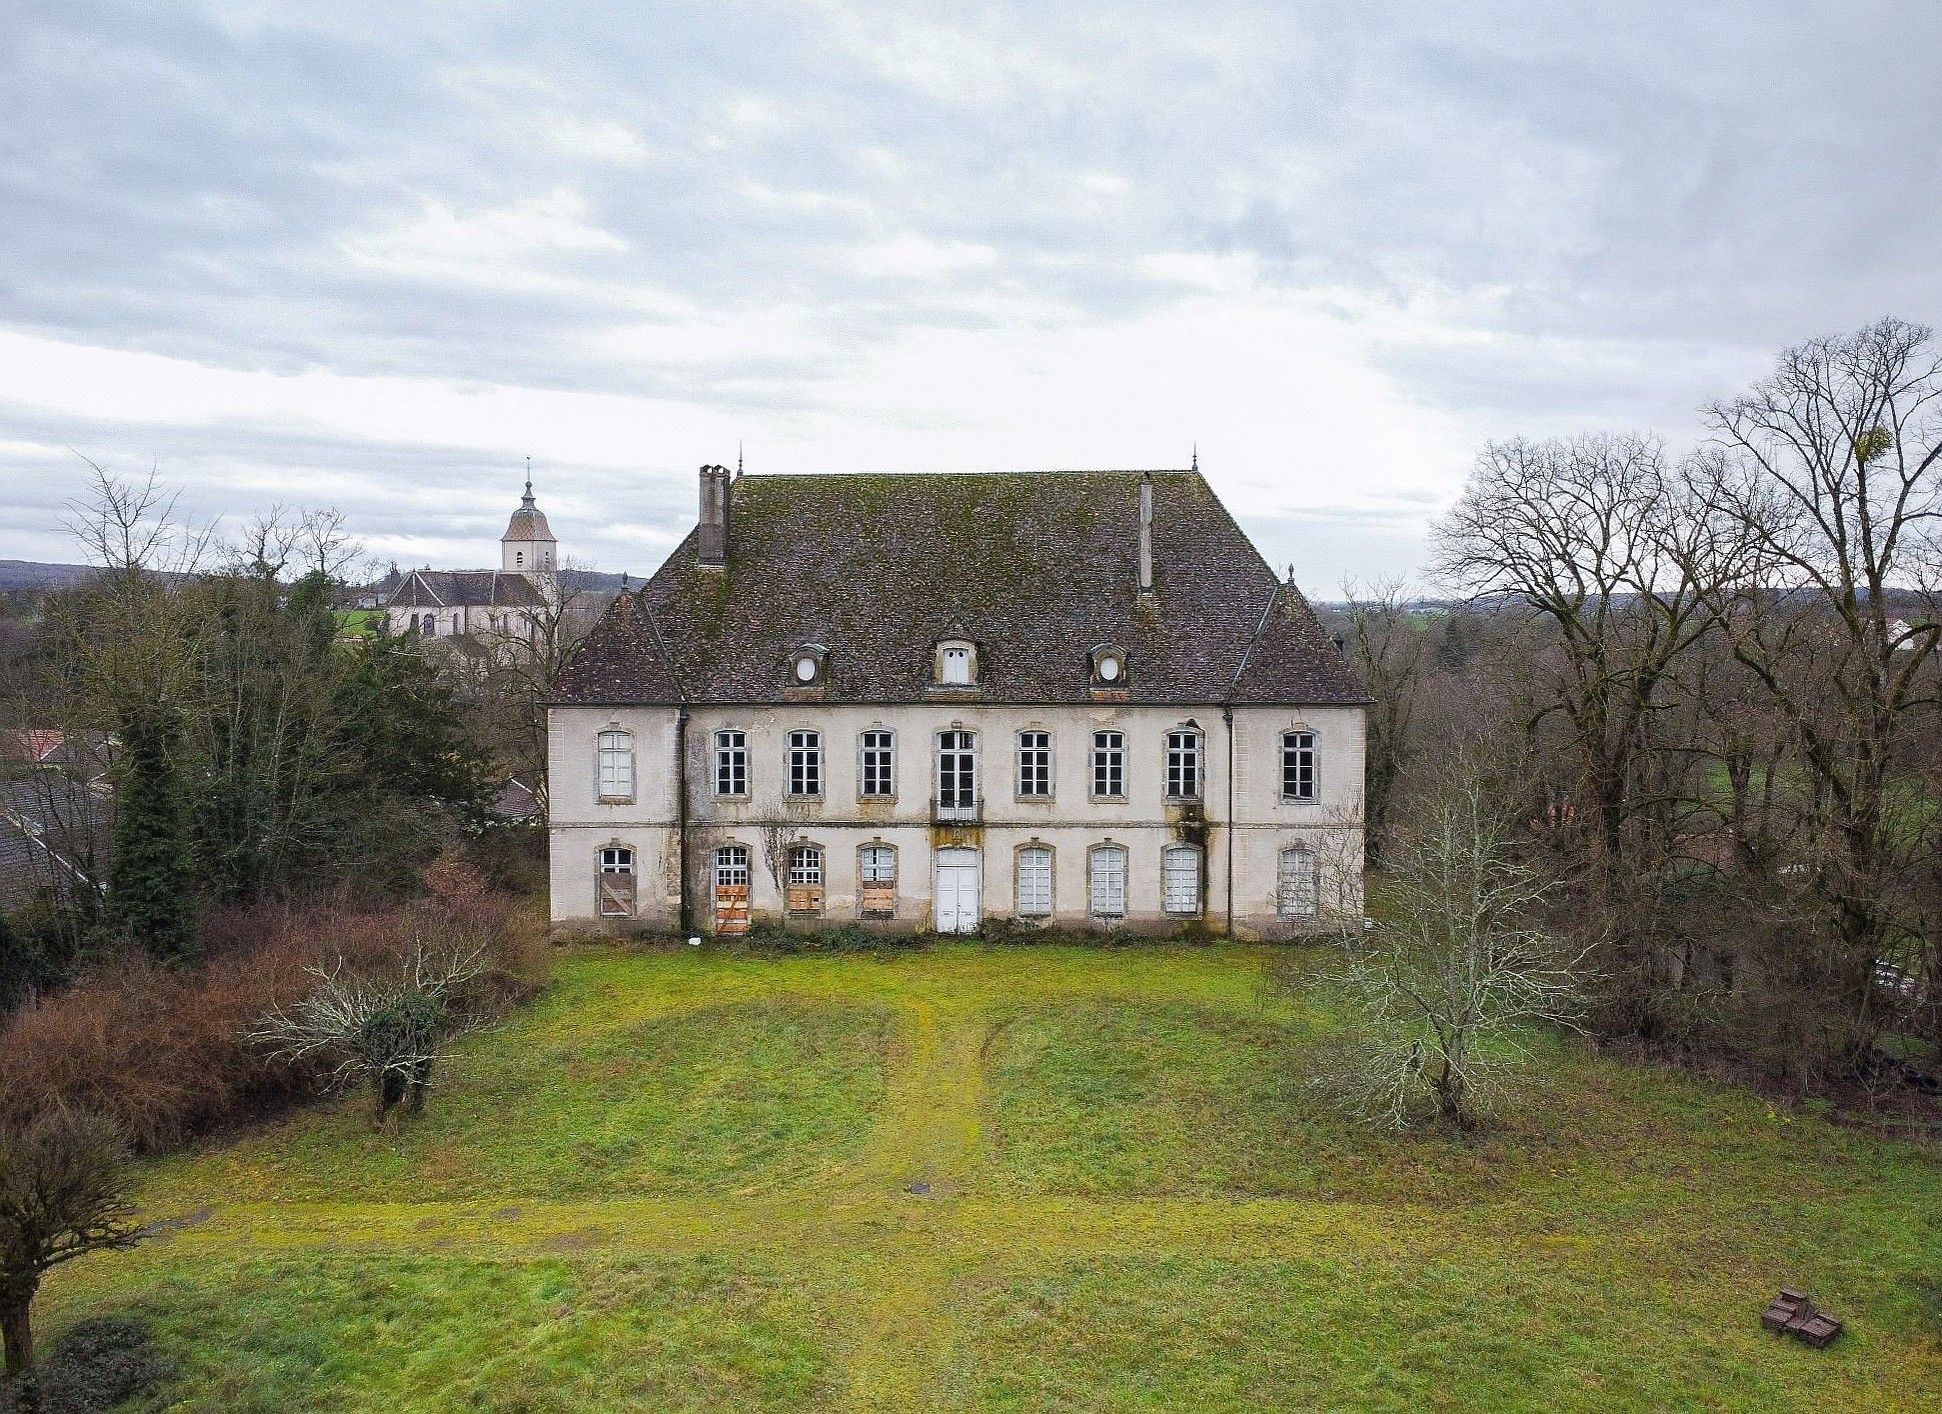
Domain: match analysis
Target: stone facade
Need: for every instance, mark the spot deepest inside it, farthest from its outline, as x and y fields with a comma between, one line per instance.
x=941, y=617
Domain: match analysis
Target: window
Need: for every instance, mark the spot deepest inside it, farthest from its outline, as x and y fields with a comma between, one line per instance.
x=1108, y=668
x=877, y=774
x=805, y=763
x=1295, y=884
x=1108, y=764
x=616, y=753
x=1180, y=879
x=1183, y=764
x=1035, y=765
x=1298, y=765
x=1106, y=881
x=616, y=882
x=805, y=891
x=731, y=762
x=957, y=774
x=876, y=867
x=731, y=889
x=1035, y=882
x=519, y=559
x=957, y=665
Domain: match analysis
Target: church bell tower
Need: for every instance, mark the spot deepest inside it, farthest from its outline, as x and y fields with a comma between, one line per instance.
x=528, y=546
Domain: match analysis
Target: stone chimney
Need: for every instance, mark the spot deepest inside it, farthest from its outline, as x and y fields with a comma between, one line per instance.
x=1146, y=533
x=712, y=546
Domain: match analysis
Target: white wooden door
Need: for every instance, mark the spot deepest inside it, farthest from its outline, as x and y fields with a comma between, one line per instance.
x=956, y=893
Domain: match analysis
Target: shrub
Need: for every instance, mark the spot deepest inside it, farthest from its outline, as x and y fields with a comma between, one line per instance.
x=93, y=1366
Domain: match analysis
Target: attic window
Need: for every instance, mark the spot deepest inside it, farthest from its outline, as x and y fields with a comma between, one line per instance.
x=806, y=666
x=1108, y=666
x=957, y=664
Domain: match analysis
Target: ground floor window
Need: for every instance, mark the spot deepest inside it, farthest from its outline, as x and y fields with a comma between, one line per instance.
x=805, y=888
x=1035, y=882
x=1180, y=879
x=615, y=885
x=731, y=889
x=1295, y=894
x=877, y=869
x=1106, y=877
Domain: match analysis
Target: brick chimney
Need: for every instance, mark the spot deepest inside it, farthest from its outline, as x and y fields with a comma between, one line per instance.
x=712, y=546
x=1146, y=533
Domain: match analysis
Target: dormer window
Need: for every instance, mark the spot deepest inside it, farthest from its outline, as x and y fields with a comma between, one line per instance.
x=806, y=666
x=1109, y=667
x=957, y=664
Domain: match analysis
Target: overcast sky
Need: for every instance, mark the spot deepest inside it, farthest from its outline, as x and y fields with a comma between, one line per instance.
x=373, y=256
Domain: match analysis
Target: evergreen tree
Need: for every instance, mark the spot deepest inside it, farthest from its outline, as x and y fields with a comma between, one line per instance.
x=151, y=882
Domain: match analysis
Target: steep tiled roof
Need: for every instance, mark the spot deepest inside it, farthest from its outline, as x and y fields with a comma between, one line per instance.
x=1038, y=568
x=454, y=589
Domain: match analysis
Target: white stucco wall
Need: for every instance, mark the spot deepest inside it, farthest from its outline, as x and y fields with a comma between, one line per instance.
x=1070, y=823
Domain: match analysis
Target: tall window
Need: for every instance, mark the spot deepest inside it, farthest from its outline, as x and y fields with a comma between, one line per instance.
x=805, y=890
x=805, y=763
x=616, y=757
x=877, y=772
x=731, y=889
x=1106, y=882
x=1034, y=882
x=1180, y=879
x=1183, y=764
x=1035, y=765
x=731, y=762
x=877, y=868
x=616, y=882
x=957, y=773
x=1295, y=883
x=1298, y=765
x=1108, y=763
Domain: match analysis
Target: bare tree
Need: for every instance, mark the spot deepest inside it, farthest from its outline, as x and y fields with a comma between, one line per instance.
x=1451, y=970
x=62, y=1195
x=386, y=1032
x=1822, y=493
x=519, y=660
x=1389, y=650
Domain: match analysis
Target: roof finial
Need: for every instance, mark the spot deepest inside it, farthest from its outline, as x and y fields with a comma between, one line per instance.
x=529, y=483
x=738, y=458
x=1196, y=454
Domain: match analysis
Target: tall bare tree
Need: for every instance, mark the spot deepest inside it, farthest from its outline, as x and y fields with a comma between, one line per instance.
x=1389, y=649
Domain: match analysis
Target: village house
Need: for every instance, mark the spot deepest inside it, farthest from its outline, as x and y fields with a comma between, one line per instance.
x=1077, y=699
x=506, y=603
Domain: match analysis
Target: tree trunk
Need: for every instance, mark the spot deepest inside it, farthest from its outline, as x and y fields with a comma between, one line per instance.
x=16, y=1325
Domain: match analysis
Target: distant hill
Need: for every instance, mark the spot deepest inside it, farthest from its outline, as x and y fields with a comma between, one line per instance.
x=33, y=574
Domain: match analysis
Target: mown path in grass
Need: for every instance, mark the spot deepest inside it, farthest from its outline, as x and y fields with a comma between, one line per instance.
x=1030, y=1179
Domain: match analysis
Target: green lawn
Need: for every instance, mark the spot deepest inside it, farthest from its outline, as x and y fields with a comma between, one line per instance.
x=682, y=1180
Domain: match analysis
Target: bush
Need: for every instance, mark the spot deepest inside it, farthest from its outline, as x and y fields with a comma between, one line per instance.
x=165, y=1054
x=95, y=1365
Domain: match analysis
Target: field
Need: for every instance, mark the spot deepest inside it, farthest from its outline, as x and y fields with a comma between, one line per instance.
x=1015, y=1179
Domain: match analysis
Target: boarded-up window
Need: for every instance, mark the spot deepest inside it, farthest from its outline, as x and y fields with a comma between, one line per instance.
x=1295, y=891
x=1180, y=879
x=1107, y=883
x=805, y=887
x=1034, y=882
x=616, y=753
x=877, y=867
x=615, y=883
x=731, y=889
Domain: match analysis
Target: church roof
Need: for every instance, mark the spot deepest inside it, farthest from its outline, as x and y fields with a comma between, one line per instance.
x=528, y=522
x=1038, y=568
x=458, y=589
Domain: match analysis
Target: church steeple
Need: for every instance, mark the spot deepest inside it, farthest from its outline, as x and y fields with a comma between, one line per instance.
x=528, y=546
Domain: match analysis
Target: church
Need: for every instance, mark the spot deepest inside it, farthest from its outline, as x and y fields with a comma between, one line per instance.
x=958, y=702
x=481, y=603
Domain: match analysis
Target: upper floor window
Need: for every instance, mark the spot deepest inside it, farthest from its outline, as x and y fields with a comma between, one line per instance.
x=877, y=763
x=957, y=664
x=1108, y=764
x=1035, y=765
x=518, y=559
x=805, y=763
x=957, y=771
x=1298, y=765
x=731, y=762
x=1183, y=764
x=615, y=751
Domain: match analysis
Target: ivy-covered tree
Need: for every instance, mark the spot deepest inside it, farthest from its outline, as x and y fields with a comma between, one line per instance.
x=151, y=880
